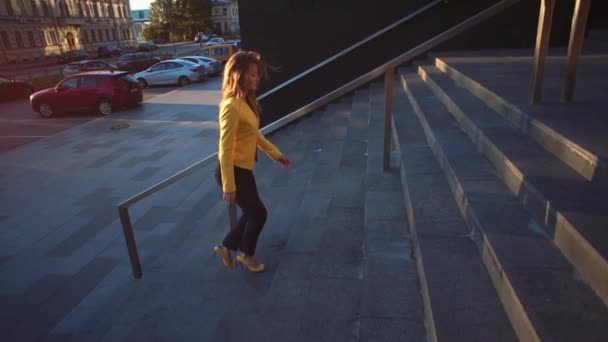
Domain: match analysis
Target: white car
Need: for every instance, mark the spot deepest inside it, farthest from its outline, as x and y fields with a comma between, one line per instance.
x=212, y=66
x=174, y=71
x=215, y=41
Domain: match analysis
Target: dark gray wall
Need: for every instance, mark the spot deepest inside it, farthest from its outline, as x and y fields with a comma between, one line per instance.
x=298, y=34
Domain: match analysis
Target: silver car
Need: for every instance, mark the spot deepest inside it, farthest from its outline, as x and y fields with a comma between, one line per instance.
x=212, y=66
x=173, y=71
x=217, y=65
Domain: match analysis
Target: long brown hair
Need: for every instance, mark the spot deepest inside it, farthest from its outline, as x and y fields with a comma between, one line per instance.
x=234, y=72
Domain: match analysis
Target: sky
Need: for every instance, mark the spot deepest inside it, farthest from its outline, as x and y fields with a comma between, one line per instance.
x=140, y=4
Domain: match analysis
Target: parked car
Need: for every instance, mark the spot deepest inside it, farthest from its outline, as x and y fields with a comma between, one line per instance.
x=83, y=66
x=13, y=89
x=214, y=41
x=73, y=55
x=217, y=65
x=218, y=52
x=173, y=71
x=102, y=91
x=147, y=47
x=214, y=68
x=236, y=43
x=108, y=51
x=138, y=61
x=200, y=37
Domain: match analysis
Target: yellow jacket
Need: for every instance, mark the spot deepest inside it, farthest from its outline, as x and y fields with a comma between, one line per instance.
x=239, y=137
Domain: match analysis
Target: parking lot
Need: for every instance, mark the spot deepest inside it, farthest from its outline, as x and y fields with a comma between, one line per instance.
x=20, y=125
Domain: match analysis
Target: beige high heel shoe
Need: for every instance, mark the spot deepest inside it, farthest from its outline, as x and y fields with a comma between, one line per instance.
x=225, y=254
x=250, y=263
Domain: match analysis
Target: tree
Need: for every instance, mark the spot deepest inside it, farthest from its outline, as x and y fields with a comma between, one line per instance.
x=178, y=19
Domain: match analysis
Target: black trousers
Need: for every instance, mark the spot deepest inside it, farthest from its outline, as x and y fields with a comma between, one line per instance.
x=244, y=235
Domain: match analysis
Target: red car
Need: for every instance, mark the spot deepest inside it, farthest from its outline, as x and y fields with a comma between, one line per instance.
x=102, y=91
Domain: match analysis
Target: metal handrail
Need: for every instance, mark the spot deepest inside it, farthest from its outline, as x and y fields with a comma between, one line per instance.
x=387, y=69
x=352, y=47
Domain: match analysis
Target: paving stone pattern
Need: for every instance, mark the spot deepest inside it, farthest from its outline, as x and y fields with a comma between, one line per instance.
x=335, y=245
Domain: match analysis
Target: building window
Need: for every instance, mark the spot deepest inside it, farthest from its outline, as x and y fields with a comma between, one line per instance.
x=80, y=10
x=107, y=35
x=54, y=40
x=93, y=35
x=9, y=8
x=96, y=10
x=100, y=35
x=124, y=12
x=5, y=40
x=19, y=39
x=42, y=38
x=30, y=38
x=45, y=9
x=34, y=8
x=85, y=36
x=113, y=34
x=225, y=11
x=87, y=10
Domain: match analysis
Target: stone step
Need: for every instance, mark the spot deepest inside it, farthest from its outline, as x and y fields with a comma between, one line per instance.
x=573, y=211
x=591, y=165
x=452, y=275
x=391, y=280
x=533, y=279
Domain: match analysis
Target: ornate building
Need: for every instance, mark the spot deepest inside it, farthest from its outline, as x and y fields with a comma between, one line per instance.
x=225, y=17
x=39, y=30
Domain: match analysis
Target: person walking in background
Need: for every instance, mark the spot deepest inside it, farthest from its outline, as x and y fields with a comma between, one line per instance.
x=239, y=139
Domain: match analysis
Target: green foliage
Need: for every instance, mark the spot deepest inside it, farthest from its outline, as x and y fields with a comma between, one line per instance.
x=178, y=19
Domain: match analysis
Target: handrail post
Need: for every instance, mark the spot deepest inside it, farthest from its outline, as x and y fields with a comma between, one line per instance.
x=388, y=111
x=543, y=32
x=127, y=229
x=577, y=33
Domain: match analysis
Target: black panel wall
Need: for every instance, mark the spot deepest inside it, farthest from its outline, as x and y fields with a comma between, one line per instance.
x=298, y=34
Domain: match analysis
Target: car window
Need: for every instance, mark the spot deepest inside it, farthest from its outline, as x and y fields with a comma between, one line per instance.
x=219, y=51
x=70, y=83
x=89, y=82
x=173, y=65
x=159, y=67
x=204, y=53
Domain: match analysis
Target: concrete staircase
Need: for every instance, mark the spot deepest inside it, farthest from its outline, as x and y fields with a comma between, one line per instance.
x=336, y=247
x=479, y=171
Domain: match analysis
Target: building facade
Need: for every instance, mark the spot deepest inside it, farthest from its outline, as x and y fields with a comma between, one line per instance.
x=225, y=17
x=141, y=18
x=40, y=30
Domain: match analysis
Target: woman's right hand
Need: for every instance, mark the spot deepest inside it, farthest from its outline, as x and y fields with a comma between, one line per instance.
x=230, y=197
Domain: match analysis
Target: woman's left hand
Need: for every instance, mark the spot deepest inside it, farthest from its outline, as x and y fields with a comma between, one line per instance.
x=285, y=163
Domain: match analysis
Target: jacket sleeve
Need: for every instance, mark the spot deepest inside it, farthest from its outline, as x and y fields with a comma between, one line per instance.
x=266, y=146
x=228, y=122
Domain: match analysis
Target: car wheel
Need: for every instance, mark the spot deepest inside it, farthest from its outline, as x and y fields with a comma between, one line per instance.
x=45, y=110
x=142, y=82
x=183, y=81
x=104, y=107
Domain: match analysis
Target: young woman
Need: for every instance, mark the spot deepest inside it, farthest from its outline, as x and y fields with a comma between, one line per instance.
x=239, y=139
